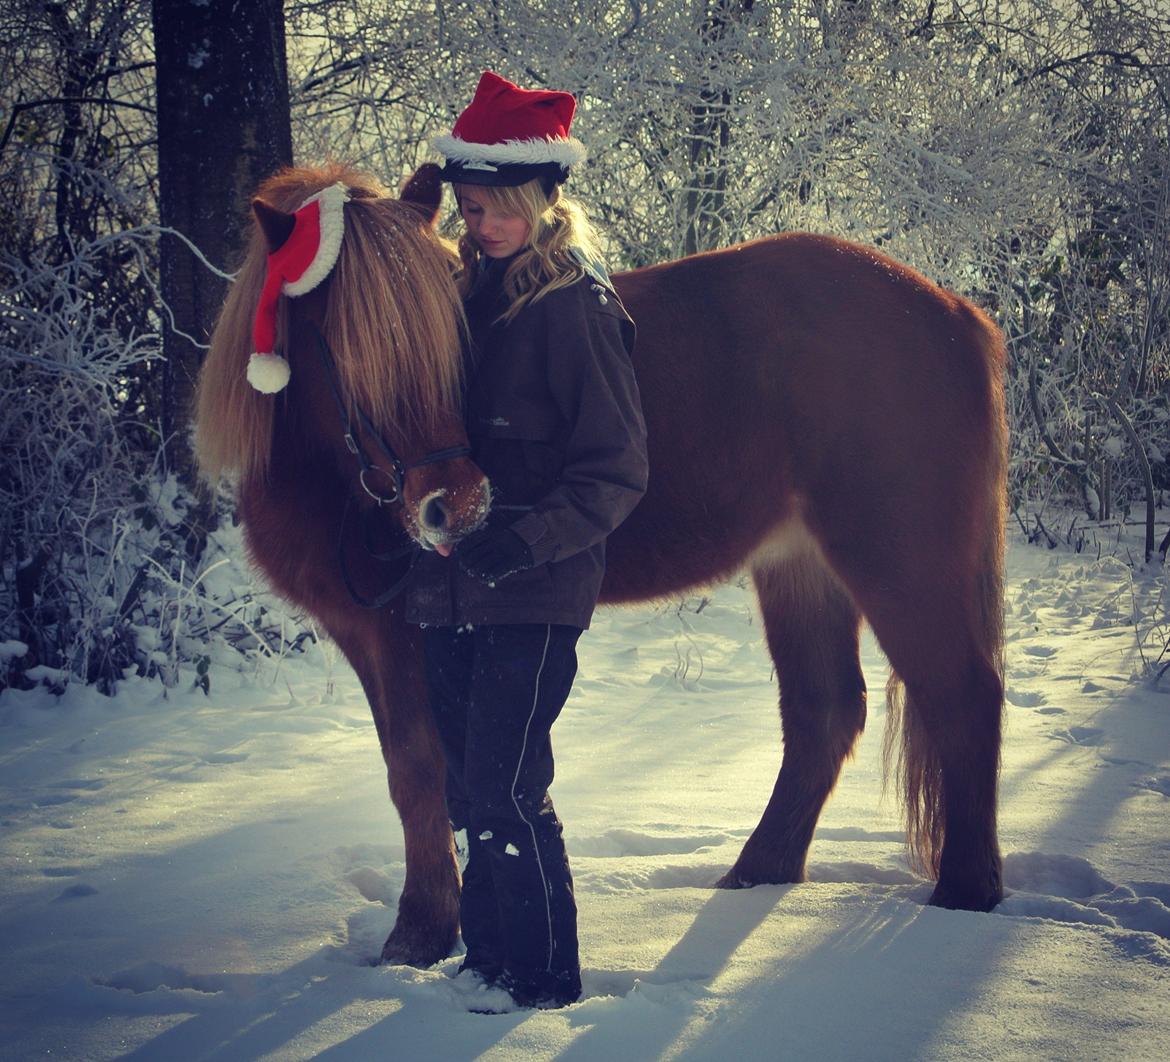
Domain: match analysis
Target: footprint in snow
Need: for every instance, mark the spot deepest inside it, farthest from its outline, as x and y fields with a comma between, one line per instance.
x=858, y=833
x=1070, y=877
x=1085, y=736
x=76, y=892
x=1121, y=761
x=51, y=800
x=848, y=872
x=149, y=977
x=655, y=986
x=1155, y=783
x=1070, y=889
x=1023, y=699
x=217, y=759
x=1040, y=650
x=80, y=783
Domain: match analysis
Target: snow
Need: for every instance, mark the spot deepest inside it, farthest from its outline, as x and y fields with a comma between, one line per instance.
x=212, y=877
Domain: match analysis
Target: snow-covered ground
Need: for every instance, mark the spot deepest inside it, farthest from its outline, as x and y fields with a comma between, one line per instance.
x=210, y=877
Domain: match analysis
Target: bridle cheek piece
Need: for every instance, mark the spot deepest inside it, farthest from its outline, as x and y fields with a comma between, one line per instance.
x=396, y=472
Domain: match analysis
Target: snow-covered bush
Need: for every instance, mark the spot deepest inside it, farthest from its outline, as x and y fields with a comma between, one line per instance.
x=78, y=483
x=99, y=568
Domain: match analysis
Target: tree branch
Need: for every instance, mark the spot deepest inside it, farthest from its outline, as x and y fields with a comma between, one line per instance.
x=1128, y=59
x=58, y=100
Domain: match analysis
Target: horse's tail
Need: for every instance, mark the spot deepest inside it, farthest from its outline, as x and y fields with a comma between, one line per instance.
x=910, y=751
x=924, y=729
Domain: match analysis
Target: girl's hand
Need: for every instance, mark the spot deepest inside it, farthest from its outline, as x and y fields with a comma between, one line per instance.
x=493, y=554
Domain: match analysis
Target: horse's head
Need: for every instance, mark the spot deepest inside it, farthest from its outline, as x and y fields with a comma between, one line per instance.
x=373, y=351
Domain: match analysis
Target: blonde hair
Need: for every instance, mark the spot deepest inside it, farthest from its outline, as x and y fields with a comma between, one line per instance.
x=556, y=224
x=392, y=320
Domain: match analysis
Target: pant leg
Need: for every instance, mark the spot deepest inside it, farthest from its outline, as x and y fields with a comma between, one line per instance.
x=449, y=654
x=522, y=677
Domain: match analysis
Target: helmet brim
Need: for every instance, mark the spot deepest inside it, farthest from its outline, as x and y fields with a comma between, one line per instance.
x=505, y=175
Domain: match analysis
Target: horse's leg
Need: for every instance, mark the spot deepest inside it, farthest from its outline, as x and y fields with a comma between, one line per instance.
x=940, y=626
x=812, y=630
x=387, y=656
x=951, y=721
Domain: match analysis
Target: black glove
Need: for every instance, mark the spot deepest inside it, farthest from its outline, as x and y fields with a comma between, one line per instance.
x=493, y=554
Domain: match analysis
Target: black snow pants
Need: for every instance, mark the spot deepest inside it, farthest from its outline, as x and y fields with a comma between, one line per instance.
x=495, y=692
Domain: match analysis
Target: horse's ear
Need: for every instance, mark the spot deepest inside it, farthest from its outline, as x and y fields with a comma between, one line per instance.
x=276, y=225
x=424, y=191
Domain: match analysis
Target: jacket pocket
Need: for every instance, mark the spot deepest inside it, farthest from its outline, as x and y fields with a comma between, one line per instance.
x=514, y=595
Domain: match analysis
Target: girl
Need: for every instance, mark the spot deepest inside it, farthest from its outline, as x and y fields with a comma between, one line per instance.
x=555, y=423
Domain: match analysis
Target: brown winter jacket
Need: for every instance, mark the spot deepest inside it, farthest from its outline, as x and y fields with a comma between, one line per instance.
x=555, y=422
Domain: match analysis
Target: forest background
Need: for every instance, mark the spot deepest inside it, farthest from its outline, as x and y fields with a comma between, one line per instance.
x=1016, y=152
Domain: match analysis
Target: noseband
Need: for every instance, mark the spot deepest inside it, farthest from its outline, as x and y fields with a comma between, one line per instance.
x=398, y=468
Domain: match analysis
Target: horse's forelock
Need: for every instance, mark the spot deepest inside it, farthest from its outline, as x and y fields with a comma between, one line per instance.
x=393, y=317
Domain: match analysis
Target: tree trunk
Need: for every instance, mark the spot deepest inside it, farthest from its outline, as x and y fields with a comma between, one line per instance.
x=710, y=135
x=223, y=126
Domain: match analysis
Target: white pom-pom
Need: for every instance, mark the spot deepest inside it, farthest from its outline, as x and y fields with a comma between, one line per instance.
x=268, y=373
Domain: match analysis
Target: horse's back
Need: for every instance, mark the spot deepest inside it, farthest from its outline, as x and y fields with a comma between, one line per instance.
x=816, y=331
x=807, y=289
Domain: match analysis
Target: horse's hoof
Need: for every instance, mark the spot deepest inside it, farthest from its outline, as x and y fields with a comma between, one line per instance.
x=732, y=880
x=966, y=897
x=748, y=873
x=410, y=946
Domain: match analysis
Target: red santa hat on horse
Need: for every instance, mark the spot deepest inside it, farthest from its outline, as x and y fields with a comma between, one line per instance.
x=295, y=268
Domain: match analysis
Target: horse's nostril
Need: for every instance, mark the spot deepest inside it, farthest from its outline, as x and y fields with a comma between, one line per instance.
x=434, y=515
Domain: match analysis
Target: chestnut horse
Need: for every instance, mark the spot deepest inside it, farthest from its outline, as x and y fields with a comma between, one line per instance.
x=818, y=414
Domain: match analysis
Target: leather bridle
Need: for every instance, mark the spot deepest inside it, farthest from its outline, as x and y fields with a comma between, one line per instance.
x=396, y=473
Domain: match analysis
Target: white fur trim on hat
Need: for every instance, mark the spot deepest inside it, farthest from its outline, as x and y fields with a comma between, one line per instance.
x=332, y=200
x=268, y=373
x=567, y=151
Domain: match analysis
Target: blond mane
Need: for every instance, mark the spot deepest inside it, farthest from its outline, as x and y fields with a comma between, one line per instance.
x=392, y=321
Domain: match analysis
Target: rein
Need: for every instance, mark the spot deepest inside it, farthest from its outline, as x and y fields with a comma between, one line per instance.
x=396, y=474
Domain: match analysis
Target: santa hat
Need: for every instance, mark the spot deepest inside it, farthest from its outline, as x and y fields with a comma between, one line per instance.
x=296, y=267
x=508, y=136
